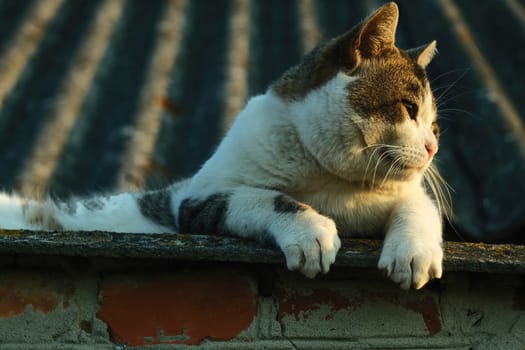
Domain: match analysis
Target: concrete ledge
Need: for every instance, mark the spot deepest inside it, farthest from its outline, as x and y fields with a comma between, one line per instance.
x=459, y=256
x=100, y=290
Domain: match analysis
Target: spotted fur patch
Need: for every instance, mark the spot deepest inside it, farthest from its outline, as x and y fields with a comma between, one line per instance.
x=204, y=216
x=285, y=204
x=383, y=85
x=156, y=206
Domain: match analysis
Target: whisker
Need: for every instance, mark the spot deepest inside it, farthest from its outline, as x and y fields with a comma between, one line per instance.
x=369, y=161
x=392, y=151
x=382, y=145
x=458, y=110
x=444, y=117
x=450, y=72
x=441, y=191
x=393, y=166
x=367, y=167
x=441, y=101
x=377, y=165
x=452, y=85
x=378, y=147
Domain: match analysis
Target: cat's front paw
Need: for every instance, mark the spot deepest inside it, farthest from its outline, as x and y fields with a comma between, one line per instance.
x=411, y=262
x=310, y=245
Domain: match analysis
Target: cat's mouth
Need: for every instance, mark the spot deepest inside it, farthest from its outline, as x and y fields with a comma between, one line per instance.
x=404, y=160
x=392, y=162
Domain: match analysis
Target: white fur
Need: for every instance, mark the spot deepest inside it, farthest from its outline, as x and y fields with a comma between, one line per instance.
x=412, y=252
x=284, y=146
x=316, y=151
x=308, y=240
x=121, y=213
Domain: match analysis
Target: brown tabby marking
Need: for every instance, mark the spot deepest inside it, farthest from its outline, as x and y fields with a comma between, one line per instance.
x=400, y=79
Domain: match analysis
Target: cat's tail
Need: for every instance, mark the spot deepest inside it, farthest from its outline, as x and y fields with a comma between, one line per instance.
x=132, y=212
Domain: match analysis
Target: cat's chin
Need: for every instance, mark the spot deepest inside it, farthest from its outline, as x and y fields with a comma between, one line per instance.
x=408, y=173
x=416, y=162
x=383, y=180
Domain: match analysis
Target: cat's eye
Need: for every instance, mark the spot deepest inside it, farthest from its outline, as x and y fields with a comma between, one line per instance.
x=411, y=108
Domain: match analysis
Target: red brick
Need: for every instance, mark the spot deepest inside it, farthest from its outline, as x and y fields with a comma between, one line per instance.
x=429, y=310
x=293, y=303
x=17, y=294
x=297, y=305
x=183, y=308
x=330, y=309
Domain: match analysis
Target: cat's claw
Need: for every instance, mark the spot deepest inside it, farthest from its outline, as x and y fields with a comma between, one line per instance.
x=411, y=264
x=312, y=249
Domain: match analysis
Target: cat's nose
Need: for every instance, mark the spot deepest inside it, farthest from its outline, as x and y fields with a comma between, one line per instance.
x=431, y=148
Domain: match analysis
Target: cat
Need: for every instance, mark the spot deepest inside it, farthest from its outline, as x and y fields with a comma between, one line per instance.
x=342, y=143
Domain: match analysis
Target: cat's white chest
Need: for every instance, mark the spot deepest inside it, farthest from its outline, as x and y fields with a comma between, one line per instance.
x=357, y=212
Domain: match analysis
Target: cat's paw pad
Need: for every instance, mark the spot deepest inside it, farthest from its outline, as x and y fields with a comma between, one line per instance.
x=411, y=263
x=311, y=248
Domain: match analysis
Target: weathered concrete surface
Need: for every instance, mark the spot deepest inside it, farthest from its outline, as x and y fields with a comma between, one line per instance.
x=49, y=307
x=102, y=290
x=459, y=256
x=96, y=303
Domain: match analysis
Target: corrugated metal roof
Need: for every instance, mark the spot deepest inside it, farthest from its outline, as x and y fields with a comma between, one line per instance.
x=99, y=95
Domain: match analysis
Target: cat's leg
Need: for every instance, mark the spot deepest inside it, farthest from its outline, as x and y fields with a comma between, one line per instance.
x=308, y=240
x=412, y=251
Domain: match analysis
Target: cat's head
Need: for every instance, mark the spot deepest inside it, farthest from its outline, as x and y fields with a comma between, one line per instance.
x=364, y=107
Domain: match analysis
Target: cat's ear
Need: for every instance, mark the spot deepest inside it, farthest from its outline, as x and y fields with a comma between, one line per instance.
x=377, y=32
x=423, y=54
x=366, y=40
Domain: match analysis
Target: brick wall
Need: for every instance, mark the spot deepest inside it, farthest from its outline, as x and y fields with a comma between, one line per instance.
x=68, y=303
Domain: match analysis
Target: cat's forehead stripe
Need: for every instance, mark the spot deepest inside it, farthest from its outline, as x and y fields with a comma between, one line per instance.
x=420, y=73
x=414, y=88
x=383, y=84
